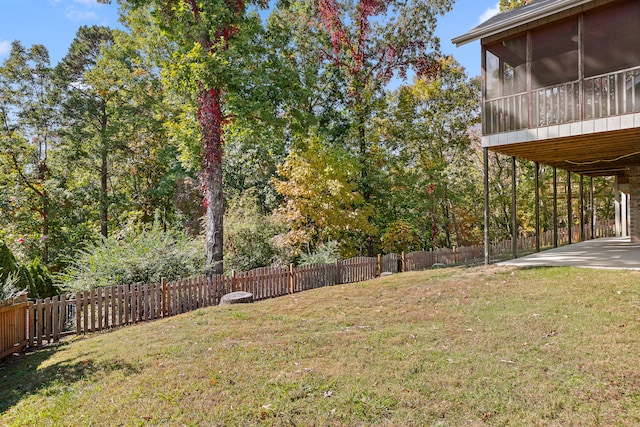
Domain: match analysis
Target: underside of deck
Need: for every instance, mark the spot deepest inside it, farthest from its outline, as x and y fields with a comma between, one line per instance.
x=606, y=153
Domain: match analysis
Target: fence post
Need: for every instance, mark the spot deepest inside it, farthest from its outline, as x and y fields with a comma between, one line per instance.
x=234, y=279
x=292, y=279
x=78, y=313
x=379, y=265
x=163, y=290
x=403, y=259
x=31, y=311
x=338, y=278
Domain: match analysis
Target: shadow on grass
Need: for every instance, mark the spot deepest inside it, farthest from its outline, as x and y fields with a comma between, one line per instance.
x=21, y=376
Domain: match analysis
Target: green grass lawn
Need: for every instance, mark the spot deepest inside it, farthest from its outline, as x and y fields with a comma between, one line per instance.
x=460, y=346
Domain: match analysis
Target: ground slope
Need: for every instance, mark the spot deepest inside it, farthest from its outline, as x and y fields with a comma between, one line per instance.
x=464, y=346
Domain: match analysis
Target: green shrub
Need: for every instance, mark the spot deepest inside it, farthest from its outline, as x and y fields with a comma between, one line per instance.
x=247, y=235
x=144, y=257
x=326, y=253
x=9, y=287
x=41, y=283
x=33, y=278
x=8, y=262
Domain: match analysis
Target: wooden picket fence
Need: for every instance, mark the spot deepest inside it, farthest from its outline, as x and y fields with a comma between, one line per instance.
x=111, y=307
x=36, y=323
x=13, y=328
x=528, y=243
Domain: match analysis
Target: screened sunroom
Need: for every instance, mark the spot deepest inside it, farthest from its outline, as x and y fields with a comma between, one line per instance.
x=583, y=67
x=561, y=87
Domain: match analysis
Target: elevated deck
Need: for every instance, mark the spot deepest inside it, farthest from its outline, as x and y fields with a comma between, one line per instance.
x=561, y=87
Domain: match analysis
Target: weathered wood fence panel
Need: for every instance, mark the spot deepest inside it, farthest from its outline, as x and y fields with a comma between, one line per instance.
x=49, y=319
x=45, y=321
x=13, y=325
x=265, y=282
x=358, y=269
x=315, y=276
x=419, y=260
x=389, y=263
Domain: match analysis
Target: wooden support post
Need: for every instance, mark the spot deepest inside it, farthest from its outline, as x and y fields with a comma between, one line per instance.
x=529, y=65
x=581, y=96
x=403, y=258
x=234, y=280
x=486, y=205
x=569, y=209
x=581, y=197
x=555, y=207
x=292, y=279
x=514, y=210
x=379, y=265
x=163, y=290
x=537, y=201
x=78, y=313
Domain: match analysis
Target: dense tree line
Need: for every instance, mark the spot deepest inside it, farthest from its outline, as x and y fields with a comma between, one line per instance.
x=267, y=136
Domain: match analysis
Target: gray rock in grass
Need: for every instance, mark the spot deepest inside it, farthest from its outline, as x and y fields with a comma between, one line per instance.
x=236, y=298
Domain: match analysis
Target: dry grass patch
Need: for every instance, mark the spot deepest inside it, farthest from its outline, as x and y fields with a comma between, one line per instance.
x=457, y=346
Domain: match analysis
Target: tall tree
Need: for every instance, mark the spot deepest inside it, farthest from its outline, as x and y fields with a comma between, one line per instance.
x=87, y=105
x=427, y=131
x=372, y=40
x=27, y=132
x=288, y=95
x=112, y=126
x=207, y=37
x=320, y=202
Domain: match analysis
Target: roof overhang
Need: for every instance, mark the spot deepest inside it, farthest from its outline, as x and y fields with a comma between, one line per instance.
x=524, y=15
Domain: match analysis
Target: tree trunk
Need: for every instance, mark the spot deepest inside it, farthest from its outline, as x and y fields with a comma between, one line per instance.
x=45, y=227
x=447, y=232
x=361, y=116
x=210, y=120
x=104, y=174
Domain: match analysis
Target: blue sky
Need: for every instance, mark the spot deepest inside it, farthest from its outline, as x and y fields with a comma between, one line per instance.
x=54, y=23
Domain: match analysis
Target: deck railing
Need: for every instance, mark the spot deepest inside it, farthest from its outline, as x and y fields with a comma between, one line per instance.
x=602, y=96
x=612, y=94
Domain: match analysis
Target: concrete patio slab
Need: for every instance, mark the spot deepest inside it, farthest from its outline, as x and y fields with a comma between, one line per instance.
x=607, y=252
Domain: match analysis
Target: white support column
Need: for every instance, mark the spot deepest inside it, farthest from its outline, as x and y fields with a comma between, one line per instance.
x=616, y=207
x=634, y=203
x=624, y=211
x=628, y=195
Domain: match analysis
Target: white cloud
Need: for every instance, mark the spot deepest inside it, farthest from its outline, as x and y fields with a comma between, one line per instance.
x=5, y=47
x=77, y=15
x=489, y=13
x=86, y=2
x=81, y=10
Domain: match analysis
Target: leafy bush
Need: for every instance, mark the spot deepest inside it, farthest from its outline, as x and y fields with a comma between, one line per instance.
x=248, y=235
x=33, y=278
x=145, y=257
x=41, y=283
x=401, y=235
x=9, y=287
x=325, y=253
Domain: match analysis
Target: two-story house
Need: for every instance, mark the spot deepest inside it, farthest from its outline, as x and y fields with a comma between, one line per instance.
x=561, y=87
